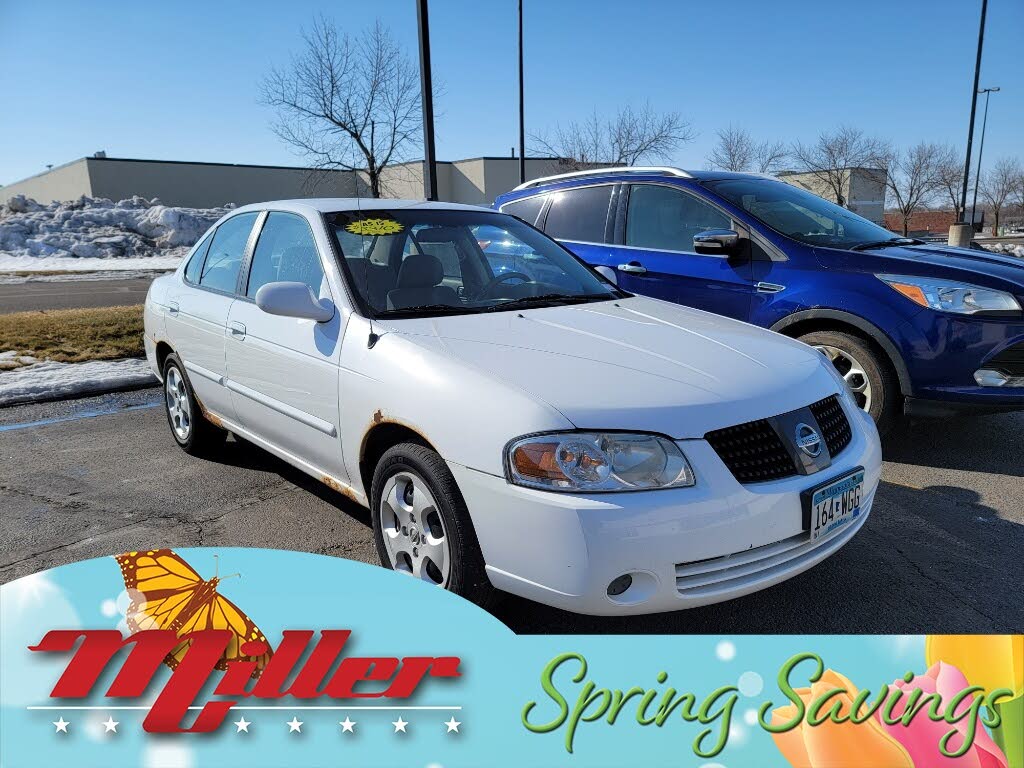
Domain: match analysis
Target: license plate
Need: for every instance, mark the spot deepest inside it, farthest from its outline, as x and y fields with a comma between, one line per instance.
x=835, y=504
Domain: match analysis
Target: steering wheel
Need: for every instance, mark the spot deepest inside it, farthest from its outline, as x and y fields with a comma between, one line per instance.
x=496, y=281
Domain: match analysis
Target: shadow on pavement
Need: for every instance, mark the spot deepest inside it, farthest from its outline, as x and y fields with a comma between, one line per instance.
x=993, y=444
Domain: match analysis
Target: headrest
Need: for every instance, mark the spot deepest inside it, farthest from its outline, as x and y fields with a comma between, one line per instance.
x=438, y=235
x=420, y=270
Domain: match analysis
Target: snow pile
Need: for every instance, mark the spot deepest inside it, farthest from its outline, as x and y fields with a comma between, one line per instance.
x=96, y=233
x=12, y=359
x=53, y=381
x=1010, y=249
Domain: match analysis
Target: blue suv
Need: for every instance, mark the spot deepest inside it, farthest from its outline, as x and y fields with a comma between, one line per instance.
x=913, y=327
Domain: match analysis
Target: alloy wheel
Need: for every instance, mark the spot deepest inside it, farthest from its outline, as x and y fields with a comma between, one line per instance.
x=852, y=372
x=178, y=409
x=413, y=531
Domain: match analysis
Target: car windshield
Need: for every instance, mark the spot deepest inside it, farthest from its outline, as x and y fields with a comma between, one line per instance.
x=800, y=214
x=415, y=262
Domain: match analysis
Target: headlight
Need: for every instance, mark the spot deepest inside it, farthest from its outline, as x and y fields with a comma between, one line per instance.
x=597, y=462
x=951, y=296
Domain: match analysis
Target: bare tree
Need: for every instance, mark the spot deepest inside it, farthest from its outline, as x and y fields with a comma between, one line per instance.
x=832, y=155
x=736, y=150
x=347, y=103
x=912, y=177
x=632, y=136
x=998, y=185
x=951, y=178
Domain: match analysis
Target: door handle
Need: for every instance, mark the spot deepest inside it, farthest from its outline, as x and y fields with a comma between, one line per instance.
x=236, y=328
x=633, y=268
x=172, y=307
x=769, y=287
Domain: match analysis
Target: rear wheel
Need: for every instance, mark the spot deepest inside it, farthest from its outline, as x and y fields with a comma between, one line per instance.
x=867, y=373
x=191, y=430
x=421, y=525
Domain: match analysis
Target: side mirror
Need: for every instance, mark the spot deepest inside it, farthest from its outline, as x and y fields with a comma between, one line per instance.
x=717, y=242
x=293, y=300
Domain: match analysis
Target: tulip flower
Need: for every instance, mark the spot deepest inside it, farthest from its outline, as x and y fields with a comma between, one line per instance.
x=922, y=736
x=990, y=661
x=837, y=745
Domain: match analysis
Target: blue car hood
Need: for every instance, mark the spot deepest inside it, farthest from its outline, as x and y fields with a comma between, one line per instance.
x=958, y=261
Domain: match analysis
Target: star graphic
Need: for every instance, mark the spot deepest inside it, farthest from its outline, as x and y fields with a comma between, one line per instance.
x=294, y=725
x=61, y=725
x=242, y=724
x=400, y=725
x=453, y=725
x=110, y=725
x=347, y=726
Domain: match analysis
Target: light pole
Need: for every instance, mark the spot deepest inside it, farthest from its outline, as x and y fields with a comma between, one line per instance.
x=981, y=148
x=522, y=121
x=974, y=106
x=427, y=100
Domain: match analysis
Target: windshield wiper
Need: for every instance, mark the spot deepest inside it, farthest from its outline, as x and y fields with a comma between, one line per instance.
x=883, y=243
x=549, y=298
x=446, y=309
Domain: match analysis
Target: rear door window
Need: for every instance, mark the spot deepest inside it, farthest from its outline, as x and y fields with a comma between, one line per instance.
x=580, y=214
x=195, y=264
x=220, y=271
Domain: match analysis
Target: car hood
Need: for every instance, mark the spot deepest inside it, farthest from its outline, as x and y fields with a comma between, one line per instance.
x=634, y=364
x=1001, y=266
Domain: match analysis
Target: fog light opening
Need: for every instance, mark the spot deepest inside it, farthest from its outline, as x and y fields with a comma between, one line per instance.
x=989, y=378
x=620, y=585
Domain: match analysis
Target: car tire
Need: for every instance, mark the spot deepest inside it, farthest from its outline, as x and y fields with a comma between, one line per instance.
x=434, y=492
x=867, y=371
x=191, y=430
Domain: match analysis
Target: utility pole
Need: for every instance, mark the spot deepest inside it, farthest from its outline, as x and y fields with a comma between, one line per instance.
x=427, y=100
x=974, y=106
x=981, y=148
x=522, y=121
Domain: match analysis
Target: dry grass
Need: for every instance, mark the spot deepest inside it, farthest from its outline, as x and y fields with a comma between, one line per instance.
x=74, y=335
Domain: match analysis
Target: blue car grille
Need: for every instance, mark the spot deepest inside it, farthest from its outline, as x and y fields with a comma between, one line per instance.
x=1010, y=361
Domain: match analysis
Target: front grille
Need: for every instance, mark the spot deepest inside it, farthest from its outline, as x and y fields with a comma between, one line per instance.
x=753, y=452
x=1010, y=361
x=835, y=427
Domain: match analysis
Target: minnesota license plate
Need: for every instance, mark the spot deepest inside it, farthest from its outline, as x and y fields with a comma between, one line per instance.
x=834, y=505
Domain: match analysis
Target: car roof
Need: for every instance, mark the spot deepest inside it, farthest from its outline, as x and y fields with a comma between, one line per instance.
x=333, y=204
x=624, y=173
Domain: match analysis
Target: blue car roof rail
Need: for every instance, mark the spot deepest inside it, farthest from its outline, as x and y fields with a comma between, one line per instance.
x=614, y=170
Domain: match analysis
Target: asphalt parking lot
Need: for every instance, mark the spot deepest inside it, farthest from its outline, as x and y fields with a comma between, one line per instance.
x=943, y=550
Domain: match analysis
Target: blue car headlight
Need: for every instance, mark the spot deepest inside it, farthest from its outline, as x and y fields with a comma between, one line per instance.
x=952, y=296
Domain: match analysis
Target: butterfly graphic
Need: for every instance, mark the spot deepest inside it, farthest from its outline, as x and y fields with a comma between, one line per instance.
x=166, y=593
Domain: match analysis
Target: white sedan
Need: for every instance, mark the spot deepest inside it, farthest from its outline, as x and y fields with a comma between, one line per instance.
x=539, y=432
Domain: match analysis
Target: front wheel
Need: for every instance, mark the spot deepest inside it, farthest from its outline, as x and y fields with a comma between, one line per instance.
x=867, y=373
x=421, y=525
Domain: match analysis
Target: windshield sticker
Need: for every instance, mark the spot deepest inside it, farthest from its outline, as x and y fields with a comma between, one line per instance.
x=374, y=227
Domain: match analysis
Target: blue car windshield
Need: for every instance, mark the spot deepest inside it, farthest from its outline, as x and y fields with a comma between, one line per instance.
x=799, y=214
x=420, y=262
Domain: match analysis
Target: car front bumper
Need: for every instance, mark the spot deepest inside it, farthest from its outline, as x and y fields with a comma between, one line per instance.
x=683, y=547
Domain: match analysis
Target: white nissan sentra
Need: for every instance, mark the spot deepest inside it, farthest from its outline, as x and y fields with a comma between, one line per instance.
x=512, y=420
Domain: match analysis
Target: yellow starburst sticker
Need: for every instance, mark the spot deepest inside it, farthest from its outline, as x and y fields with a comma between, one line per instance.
x=374, y=227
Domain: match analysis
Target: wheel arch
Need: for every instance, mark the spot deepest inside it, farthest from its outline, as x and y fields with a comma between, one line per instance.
x=163, y=349
x=382, y=436
x=808, y=320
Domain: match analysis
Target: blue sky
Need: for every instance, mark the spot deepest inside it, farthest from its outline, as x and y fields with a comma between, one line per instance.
x=179, y=81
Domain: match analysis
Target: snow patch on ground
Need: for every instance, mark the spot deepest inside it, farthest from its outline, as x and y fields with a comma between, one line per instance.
x=1011, y=249
x=91, y=234
x=52, y=381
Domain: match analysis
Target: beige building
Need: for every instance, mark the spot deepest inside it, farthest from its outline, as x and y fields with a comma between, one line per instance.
x=863, y=188
x=205, y=185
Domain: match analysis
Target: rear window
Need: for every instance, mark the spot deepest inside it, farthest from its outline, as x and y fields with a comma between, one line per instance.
x=195, y=264
x=579, y=214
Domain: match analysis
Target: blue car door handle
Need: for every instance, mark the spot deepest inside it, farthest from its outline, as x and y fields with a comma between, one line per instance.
x=633, y=268
x=769, y=287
